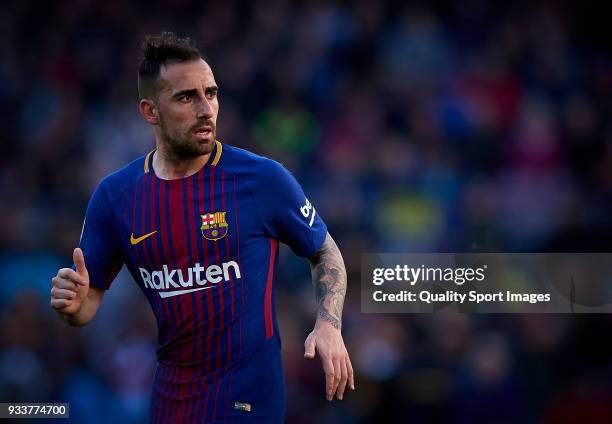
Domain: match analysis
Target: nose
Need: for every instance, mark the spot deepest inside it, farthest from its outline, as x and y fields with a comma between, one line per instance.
x=204, y=109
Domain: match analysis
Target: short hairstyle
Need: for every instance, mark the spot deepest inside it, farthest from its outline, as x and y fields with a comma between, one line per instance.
x=158, y=50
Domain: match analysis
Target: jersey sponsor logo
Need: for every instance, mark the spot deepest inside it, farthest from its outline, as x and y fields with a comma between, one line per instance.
x=214, y=226
x=136, y=240
x=187, y=281
x=308, y=210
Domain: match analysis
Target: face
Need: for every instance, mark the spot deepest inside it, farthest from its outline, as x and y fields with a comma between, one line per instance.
x=187, y=108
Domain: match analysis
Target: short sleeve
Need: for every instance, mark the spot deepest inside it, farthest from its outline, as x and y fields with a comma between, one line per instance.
x=98, y=240
x=287, y=214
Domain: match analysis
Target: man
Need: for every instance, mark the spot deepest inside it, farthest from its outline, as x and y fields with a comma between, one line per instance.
x=197, y=223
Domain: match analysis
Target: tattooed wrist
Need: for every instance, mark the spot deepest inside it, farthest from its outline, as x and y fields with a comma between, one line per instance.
x=325, y=316
x=329, y=279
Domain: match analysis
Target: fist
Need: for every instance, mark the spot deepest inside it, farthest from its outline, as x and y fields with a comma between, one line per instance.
x=69, y=287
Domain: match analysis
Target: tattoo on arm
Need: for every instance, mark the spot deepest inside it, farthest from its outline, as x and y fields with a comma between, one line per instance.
x=329, y=279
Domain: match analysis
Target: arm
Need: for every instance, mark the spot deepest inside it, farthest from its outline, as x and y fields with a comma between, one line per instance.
x=329, y=279
x=71, y=297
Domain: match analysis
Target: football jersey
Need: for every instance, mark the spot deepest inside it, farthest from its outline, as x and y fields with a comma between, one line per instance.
x=204, y=251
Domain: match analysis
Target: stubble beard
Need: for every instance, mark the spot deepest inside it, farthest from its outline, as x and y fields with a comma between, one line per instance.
x=184, y=145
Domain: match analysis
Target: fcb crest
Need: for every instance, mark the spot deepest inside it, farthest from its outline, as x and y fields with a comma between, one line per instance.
x=214, y=226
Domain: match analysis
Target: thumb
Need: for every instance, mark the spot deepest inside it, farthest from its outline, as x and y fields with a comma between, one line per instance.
x=309, y=347
x=79, y=261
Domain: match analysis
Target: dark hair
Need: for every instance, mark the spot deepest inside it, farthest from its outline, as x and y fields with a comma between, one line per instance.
x=158, y=50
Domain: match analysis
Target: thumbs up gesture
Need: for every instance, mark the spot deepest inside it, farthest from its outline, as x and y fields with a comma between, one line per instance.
x=69, y=287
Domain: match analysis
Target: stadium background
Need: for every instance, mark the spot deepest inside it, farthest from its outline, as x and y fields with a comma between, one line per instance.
x=441, y=126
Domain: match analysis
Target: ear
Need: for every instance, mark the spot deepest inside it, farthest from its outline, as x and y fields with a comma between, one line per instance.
x=148, y=110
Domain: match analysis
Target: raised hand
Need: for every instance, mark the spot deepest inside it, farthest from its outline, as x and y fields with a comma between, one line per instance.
x=69, y=287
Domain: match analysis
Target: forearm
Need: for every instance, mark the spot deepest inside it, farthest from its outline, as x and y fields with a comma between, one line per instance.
x=329, y=280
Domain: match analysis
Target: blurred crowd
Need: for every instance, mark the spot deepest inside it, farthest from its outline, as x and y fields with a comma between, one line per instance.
x=436, y=127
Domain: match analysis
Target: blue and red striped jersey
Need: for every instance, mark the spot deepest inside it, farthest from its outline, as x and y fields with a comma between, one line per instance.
x=203, y=249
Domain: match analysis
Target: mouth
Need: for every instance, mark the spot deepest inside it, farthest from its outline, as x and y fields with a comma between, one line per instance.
x=204, y=132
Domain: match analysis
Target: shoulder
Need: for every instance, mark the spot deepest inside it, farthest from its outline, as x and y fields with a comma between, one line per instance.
x=123, y=178
x=237, y=159
x=254, y=167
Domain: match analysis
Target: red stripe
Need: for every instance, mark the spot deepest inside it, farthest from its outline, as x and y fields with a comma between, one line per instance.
x=163, y=192
x=172, y=243
x=268, y=294
x=178, y=243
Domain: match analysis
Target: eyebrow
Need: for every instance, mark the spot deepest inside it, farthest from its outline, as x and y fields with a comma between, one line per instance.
x=193, y=91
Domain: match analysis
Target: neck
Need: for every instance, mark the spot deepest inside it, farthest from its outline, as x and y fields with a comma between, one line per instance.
x=171, y=167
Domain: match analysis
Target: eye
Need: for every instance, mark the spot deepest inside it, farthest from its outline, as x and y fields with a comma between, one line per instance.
x=211, y=94
x=184, y=98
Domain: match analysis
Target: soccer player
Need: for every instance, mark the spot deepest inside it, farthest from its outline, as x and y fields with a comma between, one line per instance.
x=197, y=223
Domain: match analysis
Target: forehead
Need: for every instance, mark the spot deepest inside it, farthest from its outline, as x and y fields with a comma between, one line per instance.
x=186, y=75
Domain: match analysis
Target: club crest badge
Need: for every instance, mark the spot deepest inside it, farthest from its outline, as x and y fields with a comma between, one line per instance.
x=214, y=226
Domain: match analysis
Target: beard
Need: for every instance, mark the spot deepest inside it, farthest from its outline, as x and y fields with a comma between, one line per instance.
x=183, y=144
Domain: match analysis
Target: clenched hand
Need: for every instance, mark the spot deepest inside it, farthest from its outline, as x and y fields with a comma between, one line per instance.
x=69, y=287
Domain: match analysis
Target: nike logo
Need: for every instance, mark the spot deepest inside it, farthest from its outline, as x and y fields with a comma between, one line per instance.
x=163, y=295
x=136, y=240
